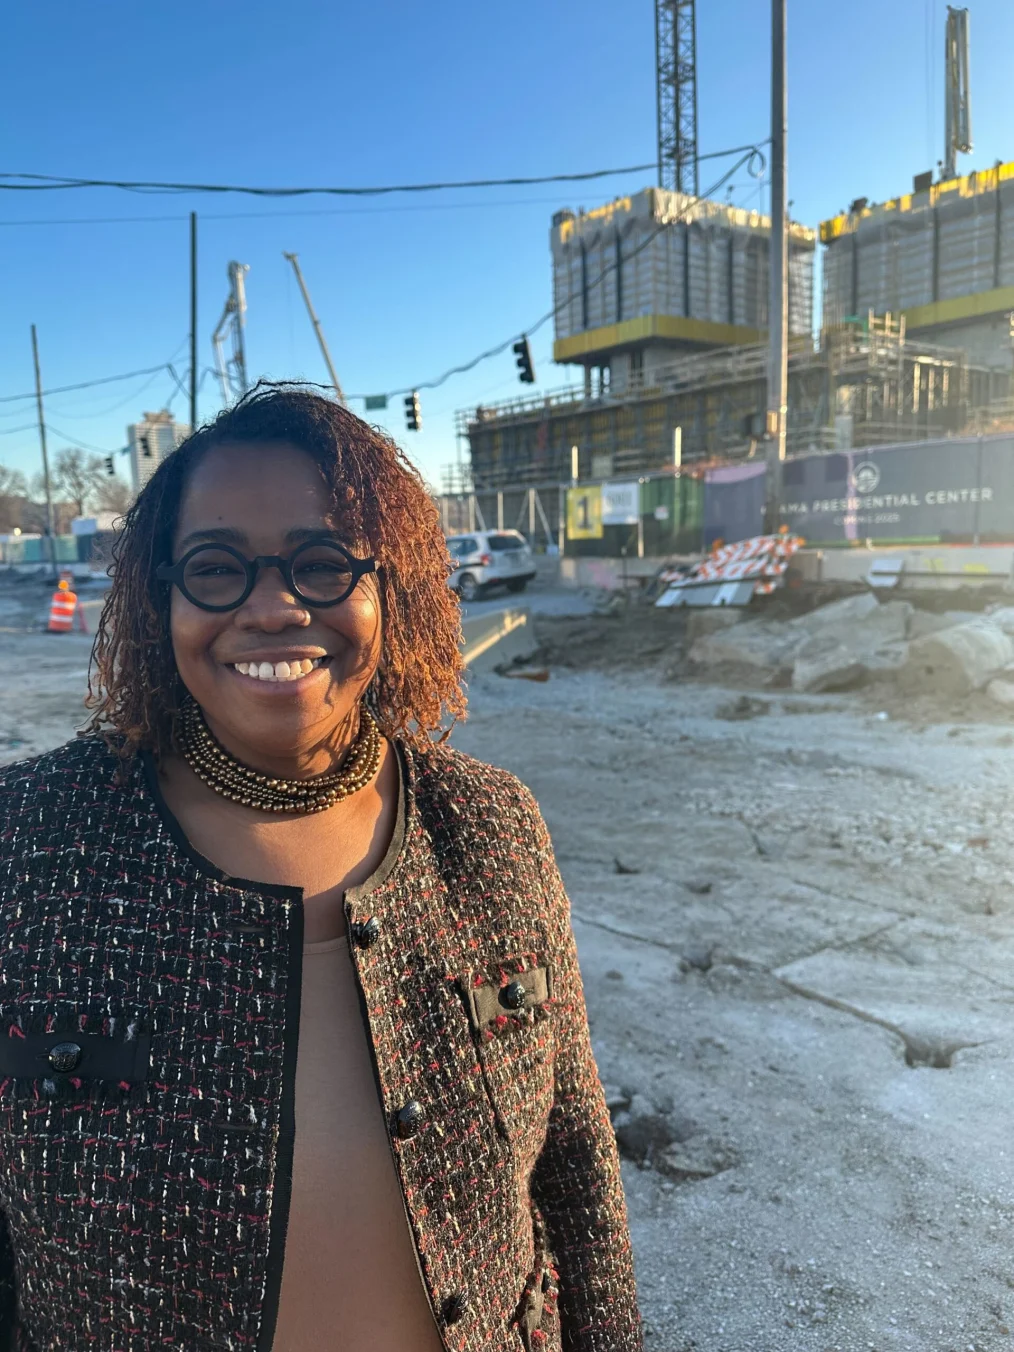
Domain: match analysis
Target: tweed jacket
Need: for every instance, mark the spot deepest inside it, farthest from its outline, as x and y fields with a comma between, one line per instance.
x=149, y=1016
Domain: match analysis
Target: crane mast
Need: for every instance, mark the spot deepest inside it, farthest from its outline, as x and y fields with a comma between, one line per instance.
x=676, y=94
x=957, y=94
x=232, y=369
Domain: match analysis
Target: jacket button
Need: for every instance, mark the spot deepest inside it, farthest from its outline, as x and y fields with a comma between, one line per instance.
x=65, y=1056
x=409, y=1119
x=514, y=995
x=455, y=1307
x=367, y=933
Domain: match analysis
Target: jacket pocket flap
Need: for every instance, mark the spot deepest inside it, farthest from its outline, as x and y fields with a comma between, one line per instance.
x=101, y=1058
x=524, y=991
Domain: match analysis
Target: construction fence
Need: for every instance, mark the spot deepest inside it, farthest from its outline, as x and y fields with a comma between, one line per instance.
x=952, y=490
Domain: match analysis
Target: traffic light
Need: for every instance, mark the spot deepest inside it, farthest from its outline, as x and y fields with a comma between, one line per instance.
x=413, y=414
x=110, y=467
x=526, y=371
x=145, y=447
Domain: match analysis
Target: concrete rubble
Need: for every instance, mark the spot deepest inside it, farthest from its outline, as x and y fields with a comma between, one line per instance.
x=858, y=641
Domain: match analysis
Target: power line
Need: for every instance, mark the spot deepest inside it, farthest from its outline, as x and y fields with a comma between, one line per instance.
x=51, y=182
x=54, y=182
x=86, y=384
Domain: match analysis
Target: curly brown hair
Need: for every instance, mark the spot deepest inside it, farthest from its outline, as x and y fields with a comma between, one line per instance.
x=377, y=496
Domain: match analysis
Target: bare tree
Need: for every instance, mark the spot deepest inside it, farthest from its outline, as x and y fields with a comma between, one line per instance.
x=13, y=492
x=77, y=478
x=113, y=495
x=12, y=483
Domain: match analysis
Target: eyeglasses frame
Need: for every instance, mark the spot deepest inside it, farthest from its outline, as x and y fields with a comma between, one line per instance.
x=173, y=573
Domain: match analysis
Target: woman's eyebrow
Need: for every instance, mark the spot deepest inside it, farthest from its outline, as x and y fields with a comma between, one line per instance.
x=228, y=535
x=218, y=535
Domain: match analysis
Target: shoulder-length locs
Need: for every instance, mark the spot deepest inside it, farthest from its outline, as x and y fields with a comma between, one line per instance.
x=378, y=497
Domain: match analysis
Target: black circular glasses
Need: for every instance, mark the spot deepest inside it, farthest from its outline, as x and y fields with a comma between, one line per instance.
x=217, y=577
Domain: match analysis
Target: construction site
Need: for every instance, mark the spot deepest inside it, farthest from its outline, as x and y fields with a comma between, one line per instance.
x=762, y=686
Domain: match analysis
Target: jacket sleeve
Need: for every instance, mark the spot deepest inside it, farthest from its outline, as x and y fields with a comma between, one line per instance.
x=576, y=1183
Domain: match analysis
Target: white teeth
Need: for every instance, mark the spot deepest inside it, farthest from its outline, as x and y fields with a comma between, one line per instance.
x=279, y=671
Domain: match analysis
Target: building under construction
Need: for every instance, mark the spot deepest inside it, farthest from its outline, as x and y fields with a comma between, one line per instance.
x=942, y=256
x=866, y=382
x=661, y=299
x=650, y=277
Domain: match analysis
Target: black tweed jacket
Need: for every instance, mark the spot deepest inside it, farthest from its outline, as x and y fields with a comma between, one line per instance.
x=149, y=1010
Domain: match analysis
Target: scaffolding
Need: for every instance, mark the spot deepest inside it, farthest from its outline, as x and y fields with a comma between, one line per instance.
x=865, y=383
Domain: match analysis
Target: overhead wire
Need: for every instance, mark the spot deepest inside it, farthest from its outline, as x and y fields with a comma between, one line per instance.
x=55, y=182
x=751, y=154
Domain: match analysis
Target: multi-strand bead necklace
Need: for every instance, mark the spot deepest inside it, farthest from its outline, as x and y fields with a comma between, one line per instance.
x=232, y=779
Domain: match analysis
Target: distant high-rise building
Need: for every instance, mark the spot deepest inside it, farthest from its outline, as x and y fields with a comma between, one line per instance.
x=150, y=441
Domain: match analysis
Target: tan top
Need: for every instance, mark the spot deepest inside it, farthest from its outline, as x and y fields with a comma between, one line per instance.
x=350, y=1280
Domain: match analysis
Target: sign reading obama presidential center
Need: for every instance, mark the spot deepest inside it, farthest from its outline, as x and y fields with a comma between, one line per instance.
x=958, y=489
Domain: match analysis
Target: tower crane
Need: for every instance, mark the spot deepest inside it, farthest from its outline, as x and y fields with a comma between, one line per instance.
x=676, y=94
x=957, y=95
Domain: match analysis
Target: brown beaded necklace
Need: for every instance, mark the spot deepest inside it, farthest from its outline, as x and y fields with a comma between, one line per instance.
x=222, y=772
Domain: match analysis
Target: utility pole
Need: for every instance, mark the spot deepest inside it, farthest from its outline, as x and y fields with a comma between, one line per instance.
x=193, y=321
x=50, y=531
x=294, y=260
x=778, y=256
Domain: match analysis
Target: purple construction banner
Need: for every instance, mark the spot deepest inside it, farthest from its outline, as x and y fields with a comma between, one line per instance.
x=734, y=503
x=960, y=489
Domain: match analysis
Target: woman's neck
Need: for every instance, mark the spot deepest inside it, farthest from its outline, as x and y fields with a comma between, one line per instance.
x=320, y=757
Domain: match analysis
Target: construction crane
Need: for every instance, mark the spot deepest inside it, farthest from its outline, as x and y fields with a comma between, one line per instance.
x=957, y=97
x=294, y=260
x=676, y=94
x=232, y=370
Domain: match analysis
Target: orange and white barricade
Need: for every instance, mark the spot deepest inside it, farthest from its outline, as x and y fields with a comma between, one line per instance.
x=64, y=610
x=760, y=561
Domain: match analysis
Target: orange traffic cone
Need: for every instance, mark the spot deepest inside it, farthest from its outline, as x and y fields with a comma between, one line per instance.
x=62, y=609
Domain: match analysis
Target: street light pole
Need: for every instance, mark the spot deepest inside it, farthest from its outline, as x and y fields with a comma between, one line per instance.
x=778, y=306
x=50, y=529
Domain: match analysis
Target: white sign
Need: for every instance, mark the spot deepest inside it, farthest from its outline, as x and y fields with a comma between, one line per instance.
x=620, y=504
x=661, y=512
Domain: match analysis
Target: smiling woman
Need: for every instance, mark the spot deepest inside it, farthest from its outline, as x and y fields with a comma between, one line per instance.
x=296, y=982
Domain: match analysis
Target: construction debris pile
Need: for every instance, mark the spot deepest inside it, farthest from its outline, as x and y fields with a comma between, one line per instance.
x=860, y=640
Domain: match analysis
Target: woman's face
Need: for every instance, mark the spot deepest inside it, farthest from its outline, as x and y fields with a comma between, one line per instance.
x=265, y=499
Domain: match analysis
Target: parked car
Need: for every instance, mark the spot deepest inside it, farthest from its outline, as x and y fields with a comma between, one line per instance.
x=488, y=558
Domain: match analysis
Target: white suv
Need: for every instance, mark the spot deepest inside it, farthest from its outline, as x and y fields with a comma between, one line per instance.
x=487, y=558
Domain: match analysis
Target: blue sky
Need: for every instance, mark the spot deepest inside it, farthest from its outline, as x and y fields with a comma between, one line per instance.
x=394, y=92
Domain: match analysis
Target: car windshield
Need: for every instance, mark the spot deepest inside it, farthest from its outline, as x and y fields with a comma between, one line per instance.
x=498, y=543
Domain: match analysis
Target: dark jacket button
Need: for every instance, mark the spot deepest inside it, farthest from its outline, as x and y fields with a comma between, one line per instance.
x=65, y=1056
x=455, y=1307
x=409, y=1119
x=367, y=933
x=513, y=996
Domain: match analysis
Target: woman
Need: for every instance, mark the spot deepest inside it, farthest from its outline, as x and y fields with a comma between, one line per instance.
x=293, y=1047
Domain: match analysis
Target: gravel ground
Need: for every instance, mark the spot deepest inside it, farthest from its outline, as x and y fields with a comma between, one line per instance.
x=796, y=926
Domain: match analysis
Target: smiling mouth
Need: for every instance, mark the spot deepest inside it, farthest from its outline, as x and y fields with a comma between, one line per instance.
x=279, y=671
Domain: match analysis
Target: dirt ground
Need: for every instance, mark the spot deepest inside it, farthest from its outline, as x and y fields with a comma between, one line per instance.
x=796, y=925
